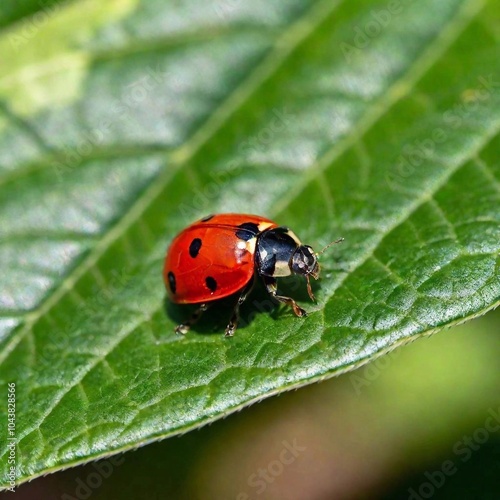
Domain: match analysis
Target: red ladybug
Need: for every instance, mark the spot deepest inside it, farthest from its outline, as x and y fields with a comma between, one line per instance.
x=220, y=255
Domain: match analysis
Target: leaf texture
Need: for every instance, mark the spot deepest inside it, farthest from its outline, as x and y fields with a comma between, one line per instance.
x=121, y=124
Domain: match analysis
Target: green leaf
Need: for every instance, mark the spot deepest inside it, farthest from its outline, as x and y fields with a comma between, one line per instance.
x=13, y=10
x=122, y=122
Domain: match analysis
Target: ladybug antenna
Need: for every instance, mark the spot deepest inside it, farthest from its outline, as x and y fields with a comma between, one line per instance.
x=340, y=240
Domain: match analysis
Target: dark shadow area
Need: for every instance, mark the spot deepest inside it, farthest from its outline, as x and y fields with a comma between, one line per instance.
x=216, y=318
x=474, y=474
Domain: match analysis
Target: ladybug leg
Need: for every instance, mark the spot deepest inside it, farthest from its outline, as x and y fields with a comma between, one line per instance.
x=309, y=289
x=183, y=328
x=272, y=288
x=233, y=322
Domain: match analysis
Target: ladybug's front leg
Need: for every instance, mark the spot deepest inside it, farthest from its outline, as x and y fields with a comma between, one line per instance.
x=233, y=322
x=272, y=288
x=183, y=328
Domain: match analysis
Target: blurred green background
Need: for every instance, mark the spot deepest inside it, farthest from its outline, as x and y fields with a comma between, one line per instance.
x=383, y=431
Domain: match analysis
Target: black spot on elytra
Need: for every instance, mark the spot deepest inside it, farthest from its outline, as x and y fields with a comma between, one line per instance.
x=194, y=247
x=171, y=281
x=207, y=218
x=247, y=231
x=211, y=283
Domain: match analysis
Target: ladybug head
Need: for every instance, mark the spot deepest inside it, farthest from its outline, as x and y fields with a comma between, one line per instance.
x=304, y=262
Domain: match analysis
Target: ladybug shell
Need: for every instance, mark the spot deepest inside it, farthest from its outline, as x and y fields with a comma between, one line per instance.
x=213, y=257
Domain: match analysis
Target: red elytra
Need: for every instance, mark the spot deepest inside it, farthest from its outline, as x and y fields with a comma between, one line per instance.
x=220, y=255
x=209, y=249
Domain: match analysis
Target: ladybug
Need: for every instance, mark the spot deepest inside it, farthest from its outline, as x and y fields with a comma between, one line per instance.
x=221, y=255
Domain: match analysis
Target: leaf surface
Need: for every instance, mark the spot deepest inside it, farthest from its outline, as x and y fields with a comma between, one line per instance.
x=121, y=124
